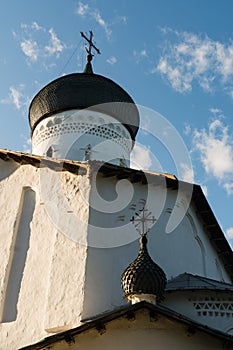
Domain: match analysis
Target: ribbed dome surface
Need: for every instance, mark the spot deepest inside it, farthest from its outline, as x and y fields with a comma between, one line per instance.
x=81, y=90
x=143, y=275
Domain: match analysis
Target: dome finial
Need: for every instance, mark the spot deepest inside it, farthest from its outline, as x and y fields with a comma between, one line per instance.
x=88, y=68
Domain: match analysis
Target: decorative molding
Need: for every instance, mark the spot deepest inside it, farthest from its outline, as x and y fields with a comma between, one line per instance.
x=96, y=125
x=214, y=307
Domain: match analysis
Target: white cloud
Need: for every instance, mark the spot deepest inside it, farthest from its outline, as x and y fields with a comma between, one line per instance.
x=27, y=144
x=121, y=19
x=82, y=9
x=228, y=186
x=33, y=25
x=143, y=53
x=194, y=58
x=178, y=81
x=99, y=19
x=139, y=55
x=15, y=96
x=215, y=110
x=56, y=45
x=186, y=173
x=216, y=152
x=230, y=93
x=140, y=158
x=225, y=59
x=37, y=42
x=36, y=26
x=206, y=84
x=187, y=129
x=112, y=60
x=30, y=49
x=229, y=233
x=85, y=10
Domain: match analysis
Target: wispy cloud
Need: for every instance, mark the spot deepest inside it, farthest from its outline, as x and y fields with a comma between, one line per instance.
x=187, y=129
x=215, y=146
x=140, y=55
x=112, y=60
x=37, y=42
x=30, y=49
x=27, y=144
x=82, y=9
x=140, y=158
x=33, y=25
x=85, y=10
x=186, y=173
x=228, y=186
x=55, y=45
x=120, y=19
x=229, y=233
x=215, y=110
x=190, y=58
x=16, y=97
x=99, y=19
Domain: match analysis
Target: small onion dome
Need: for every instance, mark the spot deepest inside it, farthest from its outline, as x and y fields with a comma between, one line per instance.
x=85, y=90
x=143, y=276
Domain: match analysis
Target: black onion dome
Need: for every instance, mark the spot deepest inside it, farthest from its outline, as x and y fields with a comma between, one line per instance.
x=84, y=90
x=143, y=275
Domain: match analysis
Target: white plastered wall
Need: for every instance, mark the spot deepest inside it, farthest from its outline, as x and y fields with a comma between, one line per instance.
x=49, y=296
x=114, y=241
x=63, y=281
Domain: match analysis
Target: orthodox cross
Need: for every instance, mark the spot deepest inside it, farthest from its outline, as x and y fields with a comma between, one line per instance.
x=88, y=151
x=90, y=46
x=143, y=219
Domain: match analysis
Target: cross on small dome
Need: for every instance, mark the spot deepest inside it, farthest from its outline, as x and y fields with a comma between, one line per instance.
x=143, y=276
x=143, y=279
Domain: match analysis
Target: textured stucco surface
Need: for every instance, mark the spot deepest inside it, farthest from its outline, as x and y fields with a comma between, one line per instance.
x=81, y=240
x=51, y=290
x=115, y=242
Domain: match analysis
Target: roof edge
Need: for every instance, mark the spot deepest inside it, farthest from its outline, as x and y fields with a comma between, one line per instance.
x=203, y=209
x=127, y=311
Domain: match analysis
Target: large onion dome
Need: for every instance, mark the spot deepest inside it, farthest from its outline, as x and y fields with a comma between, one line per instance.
x=85, y=90
x=143, y=275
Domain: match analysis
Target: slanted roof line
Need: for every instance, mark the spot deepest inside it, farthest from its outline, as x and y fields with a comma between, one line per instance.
x=123, y=312
x=188, y=281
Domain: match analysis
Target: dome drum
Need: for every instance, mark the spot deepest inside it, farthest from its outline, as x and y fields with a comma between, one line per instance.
x=83, y=135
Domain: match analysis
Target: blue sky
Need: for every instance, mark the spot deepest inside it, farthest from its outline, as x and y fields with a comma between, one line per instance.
x=174, y=57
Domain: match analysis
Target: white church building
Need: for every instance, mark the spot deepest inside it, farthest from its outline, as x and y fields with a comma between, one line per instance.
x=86, y=259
